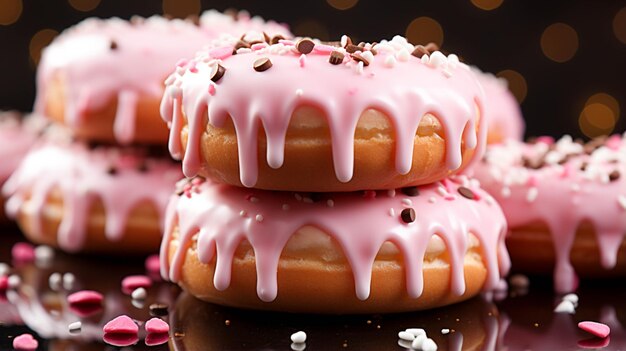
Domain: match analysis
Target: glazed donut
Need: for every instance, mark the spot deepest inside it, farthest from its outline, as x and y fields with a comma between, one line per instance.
x=502, y=110
x=16, y=137
x=309, y=116
x=105, y=200
x=104, y=78
x=565, y=203
x=353, y=252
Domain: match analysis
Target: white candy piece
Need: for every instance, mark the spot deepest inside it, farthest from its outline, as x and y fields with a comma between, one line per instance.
x=14, y=281
x=68, y=281
x=437, y=59
x=429, y=345
x=406, y=336
x=445, y=331
x=138, y=294
x=298, y=337
x=565, y=307
x=43, y=253
x=573, y=298
x=298, y=346
x=416, y=331
x=390, y=61
x=4, y=268
x=419, y=341
x=75, y=327
x=55, y=281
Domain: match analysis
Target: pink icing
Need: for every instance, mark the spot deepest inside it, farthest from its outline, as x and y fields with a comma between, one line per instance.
x=146, y=50
x=405, y=92
x=82, y=176
x=561, y=195
x=16, y=139
x=222, y=216
x=504, y=114
x=157, y=326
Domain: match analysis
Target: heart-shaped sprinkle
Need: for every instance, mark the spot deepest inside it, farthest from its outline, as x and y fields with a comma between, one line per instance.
x=121, y=325
x=25, y=342
x=597, y=329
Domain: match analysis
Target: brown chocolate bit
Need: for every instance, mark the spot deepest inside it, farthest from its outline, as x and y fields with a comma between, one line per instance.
x=195, y=19
x=267, y=38
x=336, y=57
x=432, y=47
x=411, y=191
x=217, y=73
x=527, y=163
x=408, y=215
x=112, y=171
x=158, y=309
x=275, y=39
x=241, y=44
x=351, y=48
x=359, y=58
x=613, y=176
x=262, y=64
x=420, y=51
x=113, y=45
x=466, y=193
x=255, y=42
x=305, y=46
x=583, y=166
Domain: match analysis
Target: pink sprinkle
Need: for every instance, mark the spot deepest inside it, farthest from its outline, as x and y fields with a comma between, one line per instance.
x=157, y=326
x=23, y=252
x=132, y=282
x=567, y=170
x=532, y=181
x=4, y=282
x=258, y=46
x=193, y=69
x=477, y=196
x=302, y=60
x=211, y=89
x=182, y=63
x=323, y=49
x=153, y=264
x=287, y=42
x=25, y=342
x=597, y=329
x=221, y=53
x=121, y=325
x=448, y=185
x=546, y=140
x=85, y=297
x=450, y=197
x=614, y=142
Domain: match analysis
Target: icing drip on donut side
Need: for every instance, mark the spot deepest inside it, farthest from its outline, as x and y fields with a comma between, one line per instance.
x=120, y=179
x=562, y=184
x=267, y=98
x=220, y=217
x=16, y=139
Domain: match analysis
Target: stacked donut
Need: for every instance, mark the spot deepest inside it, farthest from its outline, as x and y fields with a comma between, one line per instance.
x=325, y=177
x=100, y=178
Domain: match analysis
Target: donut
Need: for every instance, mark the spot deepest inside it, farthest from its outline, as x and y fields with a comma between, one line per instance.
x=350, y=252
x=565, y=203
x=106, y=199
x=502, y=111
x=16, y=137
x=323, y=117
x=104, y=78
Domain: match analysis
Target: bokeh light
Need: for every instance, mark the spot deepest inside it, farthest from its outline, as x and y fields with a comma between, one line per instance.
x=619, y=25
x=487, y=5
x=559, y=42
x=84, y=5
x=39, y=41
x=424, y=30
x=10, y=11
x=181, y=8
x=599, y=115
x=517, y=83
x=311, y=28
x=342, y=4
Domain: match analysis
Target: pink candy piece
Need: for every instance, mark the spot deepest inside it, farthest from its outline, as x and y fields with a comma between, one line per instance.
x=156, y=339
x=121, y=325
x=132, y=282
x=546, y=140
x=4, y=282
x=23, y=252
x=597, y=329
x=85, y=297
x=25, y=342
x=120, y=340
x=157, y=326
x=153, y=264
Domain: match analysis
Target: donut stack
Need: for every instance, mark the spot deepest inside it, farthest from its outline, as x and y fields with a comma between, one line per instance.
x=99, y=181
x=325, y=177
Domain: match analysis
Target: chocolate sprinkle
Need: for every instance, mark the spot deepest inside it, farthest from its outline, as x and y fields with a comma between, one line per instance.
x=336, y=57
x=241, y=44
x=217, y=73
x=613, y=176
x=305, y=46
x=267, y=38
x=158, y=309
x=113, y=45
x=408, y=215
x=466, y=193
x=351, y=48
x=262, y=64
x=276, y=39
x=420, y=51
x=358, y=58
x=410, y=191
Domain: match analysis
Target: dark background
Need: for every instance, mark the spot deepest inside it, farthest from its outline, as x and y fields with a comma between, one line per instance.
x=569, y=76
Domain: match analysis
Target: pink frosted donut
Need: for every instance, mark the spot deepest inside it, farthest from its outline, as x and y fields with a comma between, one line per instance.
x=102, y=200
x=565, y=203
x=503, y=111
x=351, y=252
x=104, y=78
x=310, y=116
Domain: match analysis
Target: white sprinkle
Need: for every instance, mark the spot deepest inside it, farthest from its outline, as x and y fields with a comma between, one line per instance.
x=622, y=201
x=55, y=281
x=407, y=202
x=453, y=60
x=299, y=92
x=344, y=41
x=390, y=61
x=392, y=212
x=4, y=268
x=429, y=345
x=298, y=346
x=44, y=253
x=14, y=281
x=359, y=67
x=419, y=341
x=404, y=344
x=391, y=193
x=432, y=200
x=565, y=307
x=531, y=195
x=68, y=281
x=441, y=191
x=243, y=213
x=368, y=56
x=259, y=218
x=302, y=60
x=416, y=331
x=286, y=207
x=139, y=294
x=437, y=59
x=75, y=327
x=244, y=50
x=406, y=336
x=445, y=331
x=138, y=303
x=254, y=199
x=425, y=59
x=505, y=192
x=519, y=281
x=298, y=337
x=330, y=203
x=447, y=73
x=403, y=55
x=573, y=298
